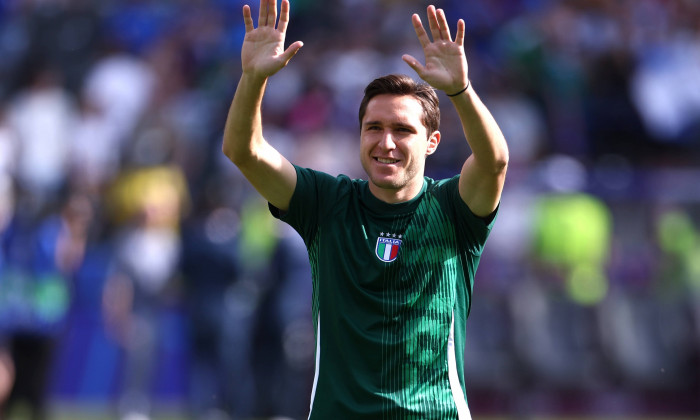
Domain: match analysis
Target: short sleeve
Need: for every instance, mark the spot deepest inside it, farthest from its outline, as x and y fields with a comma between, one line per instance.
x=472, y=228
x=314, y=196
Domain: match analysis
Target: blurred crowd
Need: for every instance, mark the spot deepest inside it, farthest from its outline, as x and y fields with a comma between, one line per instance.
x=127, y=239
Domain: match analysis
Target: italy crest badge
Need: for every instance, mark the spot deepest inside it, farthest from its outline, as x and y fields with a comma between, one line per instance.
x=387, y=248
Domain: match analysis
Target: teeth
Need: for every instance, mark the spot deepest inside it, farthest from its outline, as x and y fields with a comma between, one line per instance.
x=382, y=160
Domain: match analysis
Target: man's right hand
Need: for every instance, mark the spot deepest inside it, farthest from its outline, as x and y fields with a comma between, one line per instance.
x=263, y=53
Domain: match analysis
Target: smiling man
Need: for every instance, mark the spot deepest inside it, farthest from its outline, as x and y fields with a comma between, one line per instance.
x=393, y=257
x=393, y=144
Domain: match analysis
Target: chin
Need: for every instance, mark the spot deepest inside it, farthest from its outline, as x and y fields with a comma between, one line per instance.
x=387, y=183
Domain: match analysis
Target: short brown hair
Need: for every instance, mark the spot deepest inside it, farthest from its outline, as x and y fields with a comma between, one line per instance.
x=399, y=84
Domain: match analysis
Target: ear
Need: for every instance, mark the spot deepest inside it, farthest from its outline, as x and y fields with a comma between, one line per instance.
x=433, y=142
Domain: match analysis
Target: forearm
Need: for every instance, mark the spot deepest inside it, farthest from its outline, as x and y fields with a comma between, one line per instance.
x=489, y=148
x=243, y=130
x=483, y=173
x=270, y=173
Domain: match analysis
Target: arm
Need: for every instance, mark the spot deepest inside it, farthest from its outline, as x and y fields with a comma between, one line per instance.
x=483, y=173
x=262, y=55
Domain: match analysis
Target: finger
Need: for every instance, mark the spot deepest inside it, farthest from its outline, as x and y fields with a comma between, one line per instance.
x=459, y=37
x=433, y=23
x=284, y=17
x=247, y=19
x=413, y=63
x=420, y=31
x=262, y=16
x=271, y=13
x=291, y=51
x=444, y=27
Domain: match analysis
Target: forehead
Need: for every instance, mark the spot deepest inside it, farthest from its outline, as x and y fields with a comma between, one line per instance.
x=387, y=107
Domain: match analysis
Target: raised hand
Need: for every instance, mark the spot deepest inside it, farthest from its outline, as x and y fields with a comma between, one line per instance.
x=263, y=53
x=445, y=62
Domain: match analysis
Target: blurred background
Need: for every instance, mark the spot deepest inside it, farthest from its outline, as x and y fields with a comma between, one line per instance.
x=141, y=277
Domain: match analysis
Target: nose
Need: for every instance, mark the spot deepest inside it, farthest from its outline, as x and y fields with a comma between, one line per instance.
x=387, y=140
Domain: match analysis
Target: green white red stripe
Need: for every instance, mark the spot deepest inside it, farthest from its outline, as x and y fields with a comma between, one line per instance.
x=387, y=249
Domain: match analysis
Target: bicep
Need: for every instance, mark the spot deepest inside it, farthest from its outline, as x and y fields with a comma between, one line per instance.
x=271, y=174
x=479, y=188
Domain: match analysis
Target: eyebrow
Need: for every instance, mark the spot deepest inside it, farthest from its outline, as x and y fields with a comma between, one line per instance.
x=396, y=125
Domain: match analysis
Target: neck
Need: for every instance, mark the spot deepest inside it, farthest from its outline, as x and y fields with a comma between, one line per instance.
x=396, y=195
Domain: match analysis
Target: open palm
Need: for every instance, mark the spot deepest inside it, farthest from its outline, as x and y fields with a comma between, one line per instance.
x=445, y=61
x=263, y=53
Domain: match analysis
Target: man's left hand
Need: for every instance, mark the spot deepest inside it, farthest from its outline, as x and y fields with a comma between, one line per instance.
x=445, y=66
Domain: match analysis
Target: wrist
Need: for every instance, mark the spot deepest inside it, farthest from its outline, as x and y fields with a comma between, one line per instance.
x=253, y=78
x=461, y=91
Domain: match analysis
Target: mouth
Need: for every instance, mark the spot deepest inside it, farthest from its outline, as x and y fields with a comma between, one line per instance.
x=386, y=160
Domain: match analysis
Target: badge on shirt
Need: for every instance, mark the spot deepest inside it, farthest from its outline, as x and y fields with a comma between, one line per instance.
x=388, y=245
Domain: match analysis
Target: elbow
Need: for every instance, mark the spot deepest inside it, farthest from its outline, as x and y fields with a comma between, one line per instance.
x=243, y=157
x=228, y=152
x=241, y=148
x=234, y=155
x=500, y=163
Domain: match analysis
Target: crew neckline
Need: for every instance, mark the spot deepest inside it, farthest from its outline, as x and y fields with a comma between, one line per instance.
x=376, y=204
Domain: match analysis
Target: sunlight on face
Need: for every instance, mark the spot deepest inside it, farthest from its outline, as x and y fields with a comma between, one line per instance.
x=393, y=146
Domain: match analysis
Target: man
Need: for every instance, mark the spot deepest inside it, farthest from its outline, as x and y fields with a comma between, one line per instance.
x=393, y=258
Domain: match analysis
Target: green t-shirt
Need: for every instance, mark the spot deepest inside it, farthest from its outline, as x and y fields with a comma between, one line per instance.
x=392, y=287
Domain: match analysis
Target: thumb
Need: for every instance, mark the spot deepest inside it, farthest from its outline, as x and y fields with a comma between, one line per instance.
x=413, y=63
x=291, y=51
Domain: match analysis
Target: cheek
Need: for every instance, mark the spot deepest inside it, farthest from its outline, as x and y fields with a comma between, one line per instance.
x=367, y=143
x=364, y=148
x=417, y=151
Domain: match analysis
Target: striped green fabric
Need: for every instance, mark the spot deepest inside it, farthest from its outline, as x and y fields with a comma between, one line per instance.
x=392, y=287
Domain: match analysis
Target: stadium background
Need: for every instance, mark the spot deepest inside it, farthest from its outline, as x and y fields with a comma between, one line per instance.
x=113, y=190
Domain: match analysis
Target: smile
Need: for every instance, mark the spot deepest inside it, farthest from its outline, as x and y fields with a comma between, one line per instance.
x=387, y=161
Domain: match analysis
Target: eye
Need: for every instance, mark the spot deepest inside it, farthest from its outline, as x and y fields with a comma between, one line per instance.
x=405, y=130
x=372, y=128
